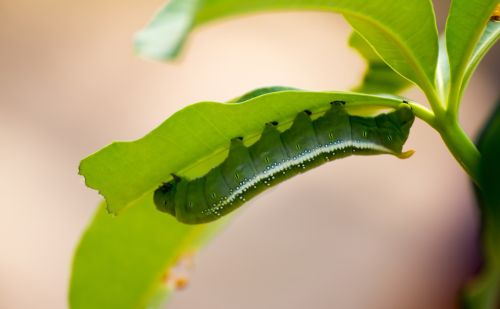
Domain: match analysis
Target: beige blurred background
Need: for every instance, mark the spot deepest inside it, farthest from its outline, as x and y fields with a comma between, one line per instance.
x=372, y=232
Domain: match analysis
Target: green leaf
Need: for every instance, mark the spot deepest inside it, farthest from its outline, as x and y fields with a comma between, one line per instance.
x=196, y=138
x=260, y=91
x=484, y=291
x=465, y=26
x=488, y=39
x=379, y=77
x=121, y=262
x=403, y=34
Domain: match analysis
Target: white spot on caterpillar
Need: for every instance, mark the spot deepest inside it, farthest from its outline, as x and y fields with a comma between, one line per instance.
x=297, y=161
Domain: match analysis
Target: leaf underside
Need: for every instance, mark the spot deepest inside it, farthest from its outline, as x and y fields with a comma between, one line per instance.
x=379, y=77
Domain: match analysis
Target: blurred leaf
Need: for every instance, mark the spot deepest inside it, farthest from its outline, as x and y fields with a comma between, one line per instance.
x=465, y=26
x=166, y=33
x=196, y=138
x=121, y=262
x=484, y=292
x=403, y=34
x=379, y=77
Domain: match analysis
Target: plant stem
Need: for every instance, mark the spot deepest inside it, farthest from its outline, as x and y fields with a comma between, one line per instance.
x=455, y=138
x=460, y=145
x=424, y=114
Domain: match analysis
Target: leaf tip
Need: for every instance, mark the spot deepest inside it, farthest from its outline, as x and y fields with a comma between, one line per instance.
x=148, y=51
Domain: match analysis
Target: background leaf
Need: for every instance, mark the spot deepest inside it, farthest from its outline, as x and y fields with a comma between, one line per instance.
x=465, y=26
x=166, y=33
x=121, y=261
x=484, y=292
x=404, y=34
x=379, y=77
x=196, y=138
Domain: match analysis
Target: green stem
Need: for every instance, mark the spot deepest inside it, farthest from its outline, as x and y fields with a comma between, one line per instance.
x=460, y=145
x=424, y=114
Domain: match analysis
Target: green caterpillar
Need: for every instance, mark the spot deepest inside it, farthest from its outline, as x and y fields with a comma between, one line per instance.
x=277, y=156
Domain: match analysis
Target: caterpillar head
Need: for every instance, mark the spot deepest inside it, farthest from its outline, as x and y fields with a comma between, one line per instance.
x=164, y=196
x=395, y=127
x=403, y=118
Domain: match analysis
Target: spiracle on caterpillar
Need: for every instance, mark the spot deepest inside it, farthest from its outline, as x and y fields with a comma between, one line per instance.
x=277, y=156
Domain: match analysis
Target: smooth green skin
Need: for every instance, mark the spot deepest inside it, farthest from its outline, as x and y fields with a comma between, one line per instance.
x=466, y=23
x=196, y=138
x=120, y=261
x=404, y=35
x=484, y=291
x=379, y=77
x=199, y=200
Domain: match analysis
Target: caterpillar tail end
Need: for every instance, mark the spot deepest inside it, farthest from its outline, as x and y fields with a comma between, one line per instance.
x=406, y=154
